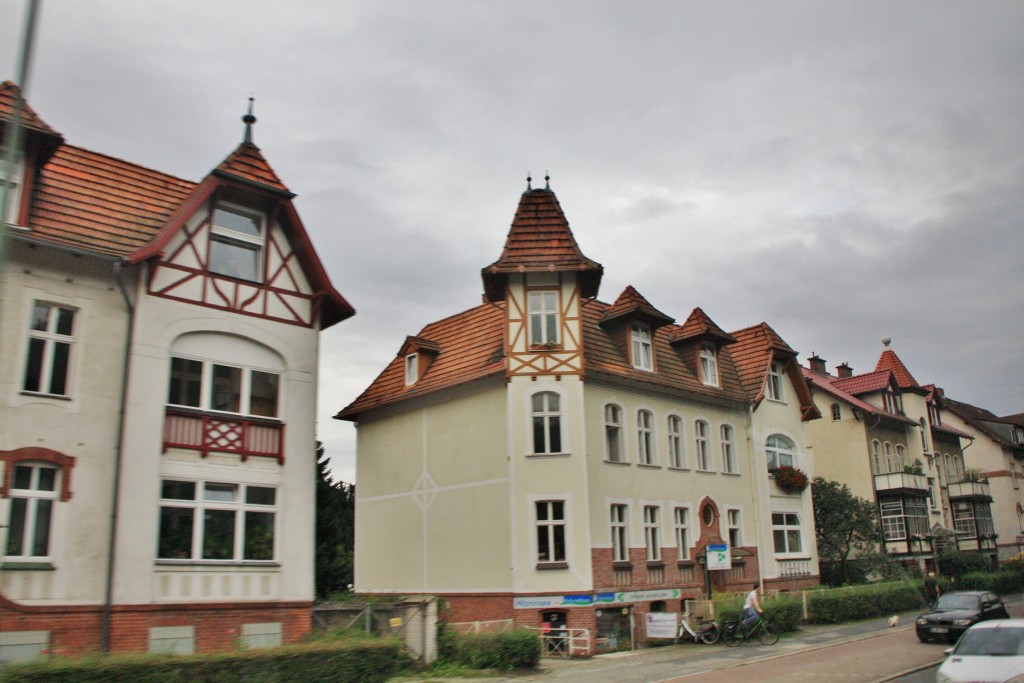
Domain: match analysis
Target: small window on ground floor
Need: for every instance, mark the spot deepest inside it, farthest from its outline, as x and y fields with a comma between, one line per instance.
x=173, y=640
x=21, y=646
x=261, y=635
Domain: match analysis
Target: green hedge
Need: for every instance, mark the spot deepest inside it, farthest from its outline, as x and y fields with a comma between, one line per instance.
x=784, y=613
x=862, y=602
x=517, y=649
x=1003, y=582
x=365, y=662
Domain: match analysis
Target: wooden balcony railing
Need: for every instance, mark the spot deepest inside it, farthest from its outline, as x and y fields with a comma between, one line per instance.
x=223, y=434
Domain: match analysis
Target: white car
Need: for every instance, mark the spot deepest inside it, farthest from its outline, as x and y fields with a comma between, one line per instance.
x=988, y=652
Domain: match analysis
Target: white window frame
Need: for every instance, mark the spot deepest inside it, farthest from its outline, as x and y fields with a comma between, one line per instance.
x=778, y=450
x=551, y=528
x=786, y=522
x=924, y=436
x=619, y=527
x=640, y=344
x=412, y=368
x=729, y=464
x=543, y=316
x=45, y=345
x=549, y=420
x=894, y=523
x=876, y=456
x=888, y=457
x=236, y=239
x=676, y=447
x=15, y=180
x=208, y=388
x=645, y=437
x=701, y=446
x=734, y=527
x=39, y=508
x=652, y=532
x=709, y=364
x=613, y=443
x=681, y=529
x=901, y=457
x=774, y=390
x=205, y=501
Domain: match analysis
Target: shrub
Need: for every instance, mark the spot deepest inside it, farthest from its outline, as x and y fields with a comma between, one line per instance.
x=785, y=613
x=956, y=563
x=503, y=651
x=366, y=662
x=1003, y=582
x=862, y=602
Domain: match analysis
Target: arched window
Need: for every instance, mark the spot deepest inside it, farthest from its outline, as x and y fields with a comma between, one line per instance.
x=901, y=457
x=613, y=433
x=676, y=454
x=728, y=450
x=876, y=457
x=645, y=437
x=924, y=435
x=547, y=423
x=889, y=465
x=779, y=451
x=700, y=431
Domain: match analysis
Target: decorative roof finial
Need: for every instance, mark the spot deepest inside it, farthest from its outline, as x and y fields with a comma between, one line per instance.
x=886, y=341
x=528, y=181
x=547, y=181
x=248, y=120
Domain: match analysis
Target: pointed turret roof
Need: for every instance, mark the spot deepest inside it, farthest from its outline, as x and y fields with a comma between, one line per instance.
x=890, y=361
x=632, y=304
x=540, y=241
x=248, y=166
x=699, y=325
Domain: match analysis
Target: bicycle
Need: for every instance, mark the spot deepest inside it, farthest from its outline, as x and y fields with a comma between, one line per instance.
x=706, y=631
x=733, y=633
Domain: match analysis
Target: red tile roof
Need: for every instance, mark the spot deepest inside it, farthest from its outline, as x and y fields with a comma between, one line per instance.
x=472, y=347
x=29, y=118
x=831, y=386
x=890, y=361
x=540, y=241
x=247, y=163
x=866, y=383
x=983, y=420
x=99, y=203
x=632, y=304
x=755, y=349
x=699, y=325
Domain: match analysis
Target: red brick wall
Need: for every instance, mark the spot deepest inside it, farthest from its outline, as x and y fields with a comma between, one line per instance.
x=76, y=630
x=462, y=607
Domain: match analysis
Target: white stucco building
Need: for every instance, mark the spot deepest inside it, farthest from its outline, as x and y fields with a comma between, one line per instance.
x=159, y=340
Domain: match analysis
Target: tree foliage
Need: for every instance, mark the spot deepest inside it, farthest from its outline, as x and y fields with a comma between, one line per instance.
x=335, y=529
x=846, y=528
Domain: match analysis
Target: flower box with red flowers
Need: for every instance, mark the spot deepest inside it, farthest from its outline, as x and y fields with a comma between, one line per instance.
x=789, y=479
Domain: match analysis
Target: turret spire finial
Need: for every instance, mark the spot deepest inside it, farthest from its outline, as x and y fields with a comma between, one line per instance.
x=248, y=120
x=529, y=179
x=547, y=180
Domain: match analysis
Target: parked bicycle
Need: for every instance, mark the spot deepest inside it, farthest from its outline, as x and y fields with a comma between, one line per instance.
x=705, y=630
x=734, y=634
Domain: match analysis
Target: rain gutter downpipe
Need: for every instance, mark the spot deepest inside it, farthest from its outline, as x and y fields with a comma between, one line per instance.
x=108, y=597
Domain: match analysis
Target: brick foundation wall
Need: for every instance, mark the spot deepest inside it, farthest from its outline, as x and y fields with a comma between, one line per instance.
x=77, y=630
x=461, y=607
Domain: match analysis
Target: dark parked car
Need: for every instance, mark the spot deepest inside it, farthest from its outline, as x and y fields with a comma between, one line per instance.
x=956, y=612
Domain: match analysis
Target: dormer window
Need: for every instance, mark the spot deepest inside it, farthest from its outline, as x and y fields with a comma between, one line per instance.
x=412, y=366
x=640, y=343
x=236, y=242
x=1018, y=435
x=774, y=388
x=933, y=413
x=14, y=178
x=708, y=364
x=542, y=307
x=893, y=402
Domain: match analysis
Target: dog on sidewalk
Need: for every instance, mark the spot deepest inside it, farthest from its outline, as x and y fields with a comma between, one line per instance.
x=894, y=621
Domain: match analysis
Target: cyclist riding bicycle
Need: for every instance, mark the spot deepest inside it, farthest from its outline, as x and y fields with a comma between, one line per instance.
x=751, y=609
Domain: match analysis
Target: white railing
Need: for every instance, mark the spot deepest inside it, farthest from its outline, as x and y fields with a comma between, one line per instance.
x=792, y=568
x=900, y=480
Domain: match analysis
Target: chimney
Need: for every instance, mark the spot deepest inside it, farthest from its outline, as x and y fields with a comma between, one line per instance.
x=817, y=364
x=844, y=371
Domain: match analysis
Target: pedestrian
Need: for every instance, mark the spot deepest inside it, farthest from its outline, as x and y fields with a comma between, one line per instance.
x=932, y=591
x=751, y=608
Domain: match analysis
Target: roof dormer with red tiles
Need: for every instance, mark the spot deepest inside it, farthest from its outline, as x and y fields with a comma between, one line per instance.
x=631, y=323
x=764, y=359
x=700, y=342
x=542, y=276
x=38, y=143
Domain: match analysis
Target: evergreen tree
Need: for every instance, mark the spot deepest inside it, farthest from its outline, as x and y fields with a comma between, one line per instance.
x=847, y=532
x=335, y=529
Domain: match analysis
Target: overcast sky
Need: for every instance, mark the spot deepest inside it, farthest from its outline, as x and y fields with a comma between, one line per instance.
x=844, y=171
